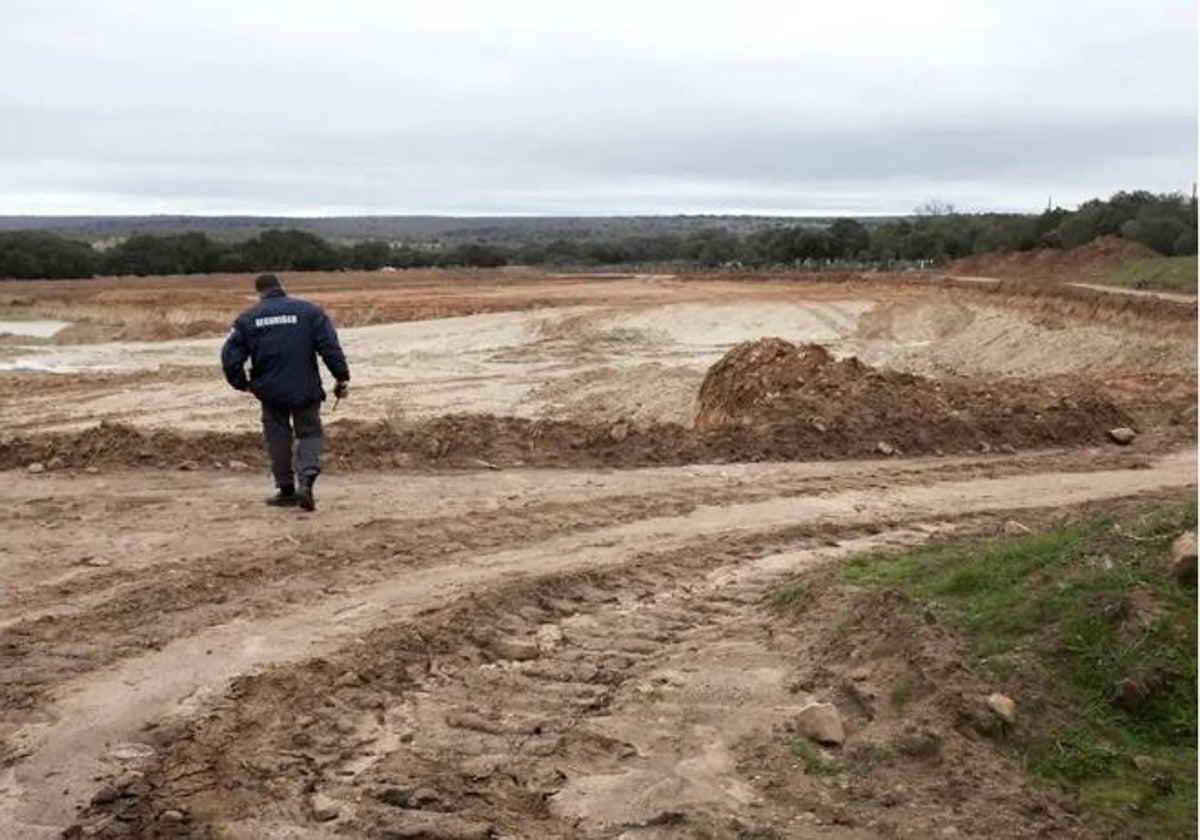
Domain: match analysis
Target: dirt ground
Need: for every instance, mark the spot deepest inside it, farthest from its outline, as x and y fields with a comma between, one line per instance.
x=1086, y=264
x=533, y=599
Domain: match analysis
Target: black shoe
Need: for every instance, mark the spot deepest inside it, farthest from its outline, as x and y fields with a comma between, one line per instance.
x=304, y=496
x=284, y=497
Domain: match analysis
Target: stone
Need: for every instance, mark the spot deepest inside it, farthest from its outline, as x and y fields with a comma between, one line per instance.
x=92, y=470
x=1122, y=435
x=985, y=447
x=1144, y=763
x=1013, y=528
x=518, y=650
x=347, y=680
x=1003, y=707
x=132, y=752
x=549, y=637
x=106, y=794
x=1181, y=561
x=323, y=807
x=821, y=722
x=1007, y=449
x=189, y=466
x=885, y=448
x=481, y=767
x=238, y=466
x=55, y=463
x=36, y=467
x=172, y=815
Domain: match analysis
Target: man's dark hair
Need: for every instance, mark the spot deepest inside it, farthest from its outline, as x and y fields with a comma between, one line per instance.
x=265, y=282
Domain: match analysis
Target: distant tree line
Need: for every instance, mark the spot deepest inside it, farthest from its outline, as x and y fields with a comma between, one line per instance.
x=1164, y=222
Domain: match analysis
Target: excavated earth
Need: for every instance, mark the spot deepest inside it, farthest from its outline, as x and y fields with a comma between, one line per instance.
x=535, y=600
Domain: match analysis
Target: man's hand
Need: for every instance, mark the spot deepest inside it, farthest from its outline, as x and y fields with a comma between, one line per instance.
x=341, y=389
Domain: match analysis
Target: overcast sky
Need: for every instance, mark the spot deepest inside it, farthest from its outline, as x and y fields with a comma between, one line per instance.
x=613, y=107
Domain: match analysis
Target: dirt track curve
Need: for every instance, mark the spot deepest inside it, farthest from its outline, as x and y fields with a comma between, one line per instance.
x=109, y=644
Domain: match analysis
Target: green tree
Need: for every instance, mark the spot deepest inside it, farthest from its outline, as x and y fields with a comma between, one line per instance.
x=289, y=250
x=27, y=255
x=371, y=255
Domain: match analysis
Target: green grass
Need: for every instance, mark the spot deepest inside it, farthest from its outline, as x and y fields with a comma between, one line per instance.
x=792, y=596
x=648, y=696
x=1174, y=273
x=1064, y=601
x=814, y=763
x=901, y=691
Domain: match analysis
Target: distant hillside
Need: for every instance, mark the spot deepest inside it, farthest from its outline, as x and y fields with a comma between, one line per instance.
x=497, y=230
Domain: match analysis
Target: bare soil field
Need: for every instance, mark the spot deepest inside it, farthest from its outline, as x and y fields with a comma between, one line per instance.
x=535, y=599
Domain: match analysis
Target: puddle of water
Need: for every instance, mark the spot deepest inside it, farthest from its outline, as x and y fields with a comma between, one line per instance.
x=33, y=329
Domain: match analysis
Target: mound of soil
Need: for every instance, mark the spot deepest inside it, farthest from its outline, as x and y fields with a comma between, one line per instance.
x=1087, y=262
x=765, y=400
x=778, y=388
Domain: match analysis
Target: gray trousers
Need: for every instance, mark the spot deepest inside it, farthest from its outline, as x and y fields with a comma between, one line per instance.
x=277, y=424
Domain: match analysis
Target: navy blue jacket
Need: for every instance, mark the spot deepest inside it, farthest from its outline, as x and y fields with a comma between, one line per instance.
x=281, y=336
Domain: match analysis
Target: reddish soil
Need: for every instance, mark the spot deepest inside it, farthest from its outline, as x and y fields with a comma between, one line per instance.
x=1087, y=263
x=774, y=385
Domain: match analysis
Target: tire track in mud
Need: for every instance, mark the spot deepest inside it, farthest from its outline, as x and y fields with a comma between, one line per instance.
x=71, y=627
x=110, y=705
x=345, y=697
x=105, y=510
x=589, y=705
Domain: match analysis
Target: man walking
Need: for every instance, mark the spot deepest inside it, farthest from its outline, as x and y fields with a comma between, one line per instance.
x=282, y=337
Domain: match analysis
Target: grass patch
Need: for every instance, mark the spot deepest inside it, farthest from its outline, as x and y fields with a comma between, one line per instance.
x=1174, y=273
x=814, y=763
x=901, y=692
x=792, y=596
x=1113, y=636
x=648, y=696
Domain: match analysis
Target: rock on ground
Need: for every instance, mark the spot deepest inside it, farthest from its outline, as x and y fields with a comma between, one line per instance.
x=1003, y=707
x=1181, y=561
x=323, y=807
x=517, y=650
x=1122, y=435
x=821, y=722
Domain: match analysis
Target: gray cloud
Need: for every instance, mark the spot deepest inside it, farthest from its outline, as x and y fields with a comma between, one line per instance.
x=537, y=107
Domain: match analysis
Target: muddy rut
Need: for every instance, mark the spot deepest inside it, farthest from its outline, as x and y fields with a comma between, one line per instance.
x=356, y=619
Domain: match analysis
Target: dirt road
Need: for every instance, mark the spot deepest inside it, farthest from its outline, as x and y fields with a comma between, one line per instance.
x=184, y=588
x=1174, y=297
